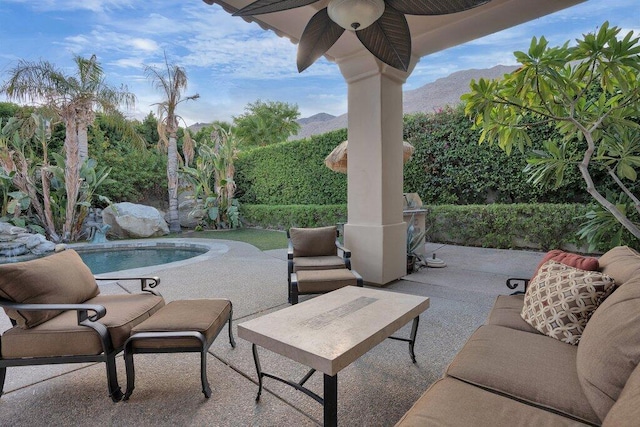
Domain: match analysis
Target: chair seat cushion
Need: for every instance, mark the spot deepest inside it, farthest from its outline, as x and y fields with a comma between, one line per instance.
x=61, y=278
x=449, y=402
x=62, y=336
x=317, y=281
x=506, y=312
x=529, y=367
x=317, y=263
x=207, y=316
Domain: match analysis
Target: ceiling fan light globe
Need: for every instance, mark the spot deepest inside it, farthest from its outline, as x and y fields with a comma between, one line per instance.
x=355, y=14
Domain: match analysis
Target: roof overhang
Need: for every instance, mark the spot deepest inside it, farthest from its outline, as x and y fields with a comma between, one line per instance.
x=429, y=34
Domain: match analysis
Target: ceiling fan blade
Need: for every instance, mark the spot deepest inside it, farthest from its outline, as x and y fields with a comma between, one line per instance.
x=389, y=39
x=433, y=7
x=268, y=6
x=318, y=36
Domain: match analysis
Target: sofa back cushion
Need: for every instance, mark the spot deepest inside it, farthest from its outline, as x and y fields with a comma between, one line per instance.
x=60, y=278
x=627, y=408
x=570, y=259
x=319, y=241
x=610, y=347
x=621, y=263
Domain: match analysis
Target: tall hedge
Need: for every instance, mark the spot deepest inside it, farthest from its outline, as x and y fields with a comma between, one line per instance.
x=447, y=167
x=291, y=173
x=450, y=167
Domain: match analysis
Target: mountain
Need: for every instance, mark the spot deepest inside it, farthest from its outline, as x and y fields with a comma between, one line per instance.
x=428, y=98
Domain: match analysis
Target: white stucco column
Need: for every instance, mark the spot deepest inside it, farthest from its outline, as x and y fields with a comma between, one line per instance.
x=375, y=231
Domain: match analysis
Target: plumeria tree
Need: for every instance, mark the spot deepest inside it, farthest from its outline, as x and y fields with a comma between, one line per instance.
x=590, y=92
x=172, y=81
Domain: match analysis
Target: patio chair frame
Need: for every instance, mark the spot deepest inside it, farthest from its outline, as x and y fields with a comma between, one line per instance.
x=346, y=257
x=88, y=316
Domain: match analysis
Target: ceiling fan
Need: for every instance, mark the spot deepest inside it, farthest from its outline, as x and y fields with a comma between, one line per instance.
x=380, y=25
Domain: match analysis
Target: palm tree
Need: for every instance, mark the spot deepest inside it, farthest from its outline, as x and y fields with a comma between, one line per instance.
x=171, y=81
x=73, y=100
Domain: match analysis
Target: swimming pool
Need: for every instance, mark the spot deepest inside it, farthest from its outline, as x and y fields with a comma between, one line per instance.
x=108, y=260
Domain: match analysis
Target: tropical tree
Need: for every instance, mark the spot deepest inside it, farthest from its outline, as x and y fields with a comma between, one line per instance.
x=171, y=81
x=265, y=123
x=590, y=92
x=73, y=100
x=212, y=178
x=39, y=177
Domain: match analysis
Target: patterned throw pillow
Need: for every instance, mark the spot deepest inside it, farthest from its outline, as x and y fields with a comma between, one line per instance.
x=560, y=299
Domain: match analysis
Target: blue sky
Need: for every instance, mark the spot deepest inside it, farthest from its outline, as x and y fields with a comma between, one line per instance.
x=230, y=62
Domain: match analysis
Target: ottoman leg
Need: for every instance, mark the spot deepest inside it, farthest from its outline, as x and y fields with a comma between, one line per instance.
x=203, y=374
x=231, y=340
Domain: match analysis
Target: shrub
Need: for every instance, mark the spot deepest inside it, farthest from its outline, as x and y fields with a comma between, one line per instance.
x=533, y=226
x=286, y=216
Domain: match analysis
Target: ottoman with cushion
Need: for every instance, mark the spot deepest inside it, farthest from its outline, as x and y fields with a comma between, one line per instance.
x=180, y=326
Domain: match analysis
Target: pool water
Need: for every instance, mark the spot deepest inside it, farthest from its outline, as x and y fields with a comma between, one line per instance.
x=108, y=260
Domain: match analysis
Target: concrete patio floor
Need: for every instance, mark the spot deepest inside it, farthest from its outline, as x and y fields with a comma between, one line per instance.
x=376, y=390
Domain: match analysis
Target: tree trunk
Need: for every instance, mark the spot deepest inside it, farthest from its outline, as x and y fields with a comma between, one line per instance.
x=172, y=180
x=71, y=175
x=583, y=166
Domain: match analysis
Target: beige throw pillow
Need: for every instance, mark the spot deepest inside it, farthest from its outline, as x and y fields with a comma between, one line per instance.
x=560, y=300
x=61, y=278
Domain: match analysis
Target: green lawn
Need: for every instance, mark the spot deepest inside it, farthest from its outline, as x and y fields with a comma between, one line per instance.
x=262, y=239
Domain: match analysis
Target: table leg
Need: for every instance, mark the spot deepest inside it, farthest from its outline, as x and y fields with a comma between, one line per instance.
x=414, y=331
x=330, y=400
x=412, y=338
x=256, y=360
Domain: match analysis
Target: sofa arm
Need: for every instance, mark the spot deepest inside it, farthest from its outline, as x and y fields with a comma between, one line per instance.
x=82, y=309
x=514, y=282
x=146, y=283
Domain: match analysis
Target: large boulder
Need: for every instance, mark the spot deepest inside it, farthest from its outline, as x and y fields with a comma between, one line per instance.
x=129, y=220
x=190, y=214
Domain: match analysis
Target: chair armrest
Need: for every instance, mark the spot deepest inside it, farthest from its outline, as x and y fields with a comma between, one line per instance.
x=82, y=309
x=290, y=250
x=514, y=282
x=346, y=253
x=151, y=282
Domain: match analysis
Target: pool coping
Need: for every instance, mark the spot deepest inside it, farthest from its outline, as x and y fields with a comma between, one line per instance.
x=214, y=249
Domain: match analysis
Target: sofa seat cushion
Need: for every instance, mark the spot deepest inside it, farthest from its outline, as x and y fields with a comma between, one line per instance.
x=610, y=347
x=314, y=241
x=62, y=336
x=560, y=300
x=61, y=278
x=529, y=367
x=626, y=410
x=317, y=263
x=450, y=402
x=621, y=263
x=506, y=312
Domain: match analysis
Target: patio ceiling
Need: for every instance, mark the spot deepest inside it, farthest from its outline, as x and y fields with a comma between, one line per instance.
x=429, y=33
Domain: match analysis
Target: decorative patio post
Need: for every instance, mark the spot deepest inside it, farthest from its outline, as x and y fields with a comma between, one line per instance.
x=375, y=231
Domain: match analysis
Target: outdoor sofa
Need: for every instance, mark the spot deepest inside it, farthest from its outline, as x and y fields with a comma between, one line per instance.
x=509, y=373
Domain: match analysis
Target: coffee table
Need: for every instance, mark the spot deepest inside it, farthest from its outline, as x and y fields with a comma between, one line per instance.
x=329, y=332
